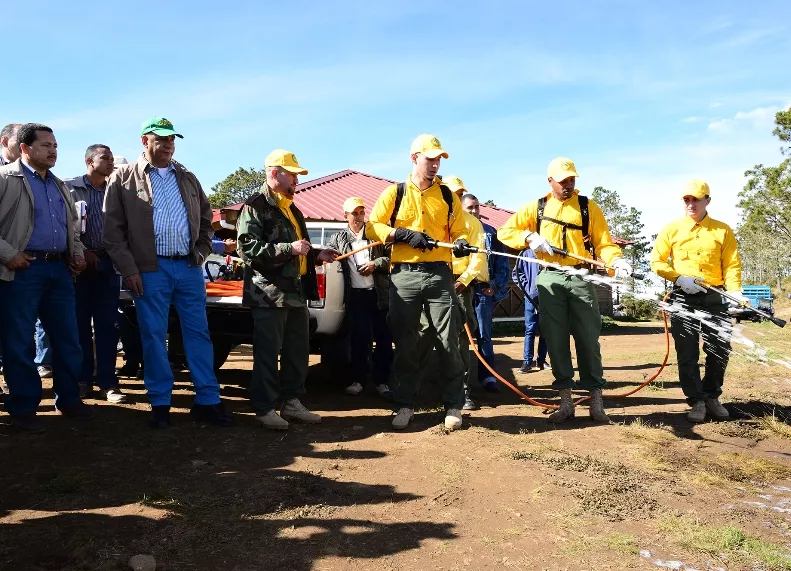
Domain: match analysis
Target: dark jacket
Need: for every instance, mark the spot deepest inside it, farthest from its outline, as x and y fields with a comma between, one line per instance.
x=129, y=217
x=380, y=256
x=525, y=275
x=499, y=268
x=271, y=273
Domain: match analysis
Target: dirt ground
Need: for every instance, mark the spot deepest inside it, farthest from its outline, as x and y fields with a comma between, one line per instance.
x=508, y=491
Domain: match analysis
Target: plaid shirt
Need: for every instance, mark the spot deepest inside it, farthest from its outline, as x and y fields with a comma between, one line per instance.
x=171, y=223
x=94, y=200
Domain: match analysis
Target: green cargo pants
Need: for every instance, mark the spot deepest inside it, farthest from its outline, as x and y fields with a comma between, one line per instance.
x=414, y=290
x=568, y=306
x=279, y=332
x=716, y=345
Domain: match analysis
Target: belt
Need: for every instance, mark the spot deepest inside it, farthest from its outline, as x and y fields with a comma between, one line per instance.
x=577, y=267
x=175, y=258
x=420, y=266
x=46, y=256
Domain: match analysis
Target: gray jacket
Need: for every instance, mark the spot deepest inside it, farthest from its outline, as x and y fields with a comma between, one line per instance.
x=16, y=216
x=380, y=256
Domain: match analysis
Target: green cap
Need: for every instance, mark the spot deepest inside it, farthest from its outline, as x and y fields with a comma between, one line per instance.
x=159, y=126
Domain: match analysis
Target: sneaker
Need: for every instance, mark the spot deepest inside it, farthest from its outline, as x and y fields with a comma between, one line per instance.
x=354, y=389
x=29, y=423
x=527, y=367
x=698, y=412
x=542, y=366
x=160, y=416
x=295, y=410
x=384, y=391
x=78, y=411
x=44, y=372
x=470, y=404
x=452, y=419
x=211, y=414
x=402, y=418
x=272, y=420
x=716, y=410
x=490, y=385
x=114, y=395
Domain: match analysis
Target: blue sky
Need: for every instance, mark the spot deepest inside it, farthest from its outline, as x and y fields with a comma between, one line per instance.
x=642, y=96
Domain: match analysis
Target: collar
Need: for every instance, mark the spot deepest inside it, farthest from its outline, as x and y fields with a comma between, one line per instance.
x=283, y=201
x=148, y=167
x=88, y=184
x=357, y=235
x=437, y=181
x=31, y=171
x=705, y=222
x=551, y=195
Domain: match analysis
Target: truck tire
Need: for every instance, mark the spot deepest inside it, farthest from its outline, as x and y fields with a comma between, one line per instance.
x=222, y=348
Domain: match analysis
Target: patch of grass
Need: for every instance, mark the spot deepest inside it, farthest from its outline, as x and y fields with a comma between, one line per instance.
x=63, y=484
x=775, y=425
x=693, y=535
x=739, y=430
x=623, y=543
x=643, y=430
x=162, y=500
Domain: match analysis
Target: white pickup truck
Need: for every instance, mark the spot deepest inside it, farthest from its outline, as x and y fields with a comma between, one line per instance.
x=231, y=324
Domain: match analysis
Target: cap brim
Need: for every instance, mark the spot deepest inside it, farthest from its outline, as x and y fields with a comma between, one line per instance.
x=455, y=188
x=165, y=133
x=559, y=176
x=295, y=170
x=434, y=153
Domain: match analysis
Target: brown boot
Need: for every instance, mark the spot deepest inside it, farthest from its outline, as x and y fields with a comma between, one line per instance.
x=597, y=407
x=566, y=410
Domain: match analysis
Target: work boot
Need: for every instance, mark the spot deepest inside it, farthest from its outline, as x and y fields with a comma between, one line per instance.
x=28, y=422
x=566, y=410
x=295, y=410
x=698, y=412
x=160, y=416
x=402, y=418
x=211, y=414
x=127, y=370
x=716, y=410
x=272, y=420
x=453, y=419
x=78, y=411
x=596, y=409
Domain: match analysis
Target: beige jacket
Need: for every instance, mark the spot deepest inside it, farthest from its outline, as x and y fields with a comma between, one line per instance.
x=16, y=216
x=129, y=217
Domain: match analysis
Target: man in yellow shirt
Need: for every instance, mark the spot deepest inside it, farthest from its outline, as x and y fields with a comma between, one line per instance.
x=568, y=302
x=409, y=215
x=697, y=247
x=467, y=272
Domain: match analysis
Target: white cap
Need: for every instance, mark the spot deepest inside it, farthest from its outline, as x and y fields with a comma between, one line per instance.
x=119, y=160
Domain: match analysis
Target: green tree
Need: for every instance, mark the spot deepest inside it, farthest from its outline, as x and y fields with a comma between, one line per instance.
x=625, y=223
x=236, y=187
x=490, y=202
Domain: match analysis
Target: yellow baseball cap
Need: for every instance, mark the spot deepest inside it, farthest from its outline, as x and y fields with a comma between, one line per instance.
x=454, y=183
x=428, y=145
x=351, y=203
x=285, y=159
x=561, y=168
x=697, y=188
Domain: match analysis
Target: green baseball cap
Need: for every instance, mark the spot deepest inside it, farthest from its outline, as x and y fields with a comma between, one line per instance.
x=159, y=126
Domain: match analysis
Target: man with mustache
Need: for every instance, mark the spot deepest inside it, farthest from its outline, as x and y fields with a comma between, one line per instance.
x=697, y=247
x=40, y=249
x=569, y=306
x=157, y=231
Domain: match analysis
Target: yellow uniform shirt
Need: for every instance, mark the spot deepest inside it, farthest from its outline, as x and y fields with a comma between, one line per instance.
x=284, y=204
x=705, y=249
x=514, y=232
x=424, y=211
x=474, y=266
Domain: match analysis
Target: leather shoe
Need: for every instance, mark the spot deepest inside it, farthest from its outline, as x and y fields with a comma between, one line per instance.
x=78, y=411
x=29, y=423
x=211, y=414
x=128, y=370
x=160, y=416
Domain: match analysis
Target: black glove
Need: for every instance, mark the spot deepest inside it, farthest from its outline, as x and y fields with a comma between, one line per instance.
x=461, y=248
x=418, y=240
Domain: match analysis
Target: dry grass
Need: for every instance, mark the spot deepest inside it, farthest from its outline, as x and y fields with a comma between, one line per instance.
x=639, y=429
x=775, y=425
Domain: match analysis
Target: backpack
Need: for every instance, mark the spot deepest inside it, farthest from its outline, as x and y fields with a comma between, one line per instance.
x=447, y=196
x=585, y=227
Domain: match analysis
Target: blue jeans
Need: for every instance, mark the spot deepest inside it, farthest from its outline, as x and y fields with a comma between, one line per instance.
x=484, y=309
x=531, y=332
x=46, y=290
x=369, y=323
x=43, y=356
x=178, y=283
x=97, y=300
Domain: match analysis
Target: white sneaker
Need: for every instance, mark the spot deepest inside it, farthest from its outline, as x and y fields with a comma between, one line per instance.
x=716, y=409
x=698, y=412
x=44, y=372
x=295, y=410
x=114, y=396
x=272, y=420
x=354, y=389
x=402, y=418
x=453, y=419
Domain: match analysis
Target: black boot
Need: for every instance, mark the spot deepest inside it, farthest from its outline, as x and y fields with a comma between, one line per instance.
x=211, y=414
x=128, y=370
x=160, y=416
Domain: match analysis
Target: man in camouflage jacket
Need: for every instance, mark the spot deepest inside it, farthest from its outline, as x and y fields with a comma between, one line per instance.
x=279, y=278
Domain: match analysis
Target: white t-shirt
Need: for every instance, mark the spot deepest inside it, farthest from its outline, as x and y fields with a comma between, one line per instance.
x=359, y=259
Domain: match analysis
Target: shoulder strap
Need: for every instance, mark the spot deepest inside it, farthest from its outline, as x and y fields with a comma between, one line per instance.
x=447, y=196
x=400, y=190
x=585, y=214
x=542, y=203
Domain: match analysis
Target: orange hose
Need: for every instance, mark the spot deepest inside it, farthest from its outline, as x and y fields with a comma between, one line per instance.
x=583, y=399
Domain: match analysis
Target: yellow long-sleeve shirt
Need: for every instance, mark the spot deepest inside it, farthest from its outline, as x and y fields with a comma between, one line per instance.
x=705, y=249
x=284, y=204
x=474, y=266
x=424, y=211
x=514, y=232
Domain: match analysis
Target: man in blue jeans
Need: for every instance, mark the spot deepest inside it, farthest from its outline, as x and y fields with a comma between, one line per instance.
x=98, y=287
x=486, y=296
x=157, y=231
x=525, y=275
x=39, y=252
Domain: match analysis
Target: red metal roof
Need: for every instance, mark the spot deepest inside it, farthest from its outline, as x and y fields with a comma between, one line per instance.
x=322, y=198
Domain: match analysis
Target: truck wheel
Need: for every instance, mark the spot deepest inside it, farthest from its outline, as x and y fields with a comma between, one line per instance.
x=222, y=349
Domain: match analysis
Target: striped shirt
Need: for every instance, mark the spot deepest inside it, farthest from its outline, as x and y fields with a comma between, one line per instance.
x=171, y=223
x=94, y=203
